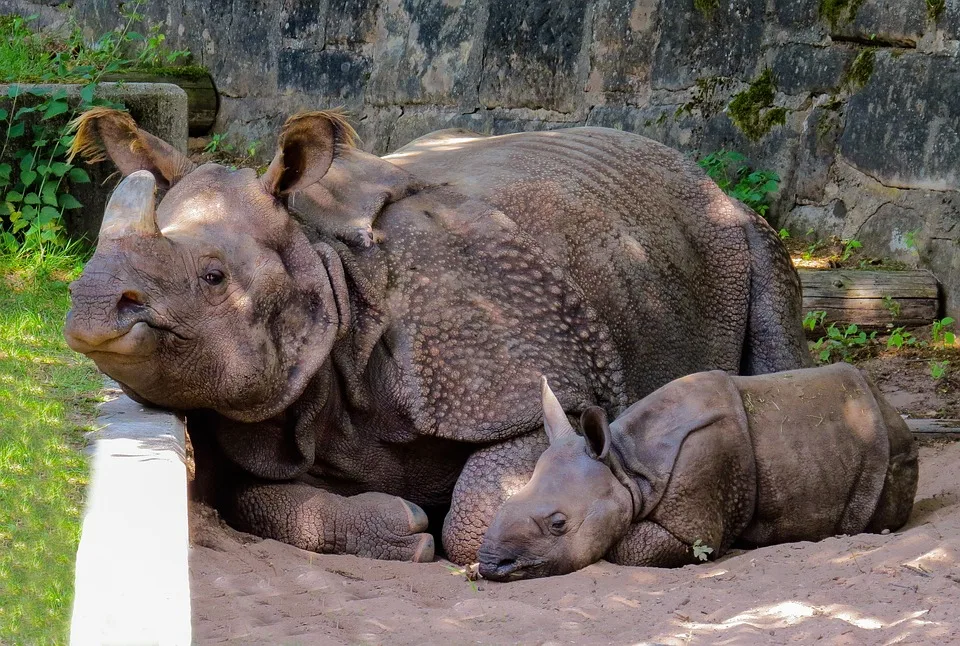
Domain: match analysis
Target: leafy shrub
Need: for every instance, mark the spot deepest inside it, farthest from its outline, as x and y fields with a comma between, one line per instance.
x=842, y=343
x=735, y=177
x=35, y=173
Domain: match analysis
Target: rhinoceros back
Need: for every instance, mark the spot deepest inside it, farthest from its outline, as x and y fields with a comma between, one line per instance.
x=822, y=453
x=658, y=250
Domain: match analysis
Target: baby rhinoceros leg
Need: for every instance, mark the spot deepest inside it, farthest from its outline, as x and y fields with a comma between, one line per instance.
x=372, y=525
x=648, y=544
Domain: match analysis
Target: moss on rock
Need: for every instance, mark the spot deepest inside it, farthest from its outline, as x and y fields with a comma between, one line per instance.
x=834, y=10
x=862, y=68
x=752, y=110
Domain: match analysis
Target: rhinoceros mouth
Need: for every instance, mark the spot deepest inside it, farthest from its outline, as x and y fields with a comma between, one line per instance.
x=139, y=339
x=511, y=569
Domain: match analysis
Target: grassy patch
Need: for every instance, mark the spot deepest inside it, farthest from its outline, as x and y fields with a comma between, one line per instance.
x=47, y=399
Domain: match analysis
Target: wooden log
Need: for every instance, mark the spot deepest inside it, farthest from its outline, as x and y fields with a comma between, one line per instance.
x=934, y=428
x=203, y=101
x=871, y=298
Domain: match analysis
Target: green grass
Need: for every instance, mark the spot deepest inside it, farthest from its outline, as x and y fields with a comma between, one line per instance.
x=47, y=399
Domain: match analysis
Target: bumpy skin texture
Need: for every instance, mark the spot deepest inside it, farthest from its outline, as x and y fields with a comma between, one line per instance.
x=403, y=318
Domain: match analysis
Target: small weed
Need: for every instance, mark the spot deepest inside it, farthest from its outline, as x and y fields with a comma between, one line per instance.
x=842, y=343
x=218, y=144
x=910, y=240
x=892, y=306
x=813, y=319
x=707, y=7
x=899, y=338
x=470, y=573
x=814, y=247
x=938, y=369
x=849, y=246
x=940, y=334
x=935, y=8
x=730, y=170
x=784, y=234
x=701, y=551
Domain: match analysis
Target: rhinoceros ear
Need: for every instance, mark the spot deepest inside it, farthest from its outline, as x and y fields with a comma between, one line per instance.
x=306, y=148
x=555, y=421
x=103, y=133
x=596, y=431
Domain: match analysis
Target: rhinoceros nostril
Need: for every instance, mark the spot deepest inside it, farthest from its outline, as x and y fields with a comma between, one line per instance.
x=130, y=300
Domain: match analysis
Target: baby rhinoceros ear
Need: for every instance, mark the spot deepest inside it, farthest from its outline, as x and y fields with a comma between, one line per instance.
x=596, y=431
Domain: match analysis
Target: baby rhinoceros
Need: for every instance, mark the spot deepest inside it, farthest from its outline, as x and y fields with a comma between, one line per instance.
x=708, y=460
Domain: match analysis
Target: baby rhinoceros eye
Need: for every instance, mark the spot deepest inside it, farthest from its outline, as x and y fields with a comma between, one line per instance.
x=557, y=523
x=213, y=277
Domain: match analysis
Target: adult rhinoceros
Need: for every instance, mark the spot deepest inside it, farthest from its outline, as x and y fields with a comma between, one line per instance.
x=390, y=336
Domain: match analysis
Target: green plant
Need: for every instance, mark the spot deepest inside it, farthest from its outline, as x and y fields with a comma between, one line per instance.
x=217, y=144
x=470, y=573
x=940, y=334
x=833, y=10
x=813, y=319
x=849, y=246
x=935, y=8
x=701, y=551
x=892, y=306
x=842, y=343
x=938, y=369
x=899, y=338
x=784, y=234
x=729, y=169
x=35, y=136
x=813, y=248
x=910, y=240
x=707, y=7
x=34, y=170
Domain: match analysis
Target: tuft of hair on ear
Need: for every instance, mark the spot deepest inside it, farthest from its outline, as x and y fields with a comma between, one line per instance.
x=86, y=139
x=343, y=133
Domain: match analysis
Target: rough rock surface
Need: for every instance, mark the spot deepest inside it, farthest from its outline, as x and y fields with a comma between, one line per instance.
x=868, y=147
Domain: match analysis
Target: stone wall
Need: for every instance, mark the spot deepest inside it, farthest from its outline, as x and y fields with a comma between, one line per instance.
x=859, y=113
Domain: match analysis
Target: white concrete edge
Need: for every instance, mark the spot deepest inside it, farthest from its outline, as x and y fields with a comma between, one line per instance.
x=132, y=581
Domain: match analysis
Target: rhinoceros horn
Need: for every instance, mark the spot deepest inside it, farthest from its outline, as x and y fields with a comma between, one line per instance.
x=131, y=210
x=554, y=419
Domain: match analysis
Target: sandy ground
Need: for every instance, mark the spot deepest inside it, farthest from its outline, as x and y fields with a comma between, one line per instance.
x=903, y=588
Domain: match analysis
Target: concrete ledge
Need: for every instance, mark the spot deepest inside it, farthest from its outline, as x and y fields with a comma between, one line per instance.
x=132, y=580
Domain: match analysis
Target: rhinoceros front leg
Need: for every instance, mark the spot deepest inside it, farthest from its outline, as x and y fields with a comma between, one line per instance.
x=490, y=476
x=648, y=544
x=373, y=525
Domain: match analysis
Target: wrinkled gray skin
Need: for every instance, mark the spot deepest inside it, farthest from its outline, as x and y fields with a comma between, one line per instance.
x=794, y=456
x=390, y=337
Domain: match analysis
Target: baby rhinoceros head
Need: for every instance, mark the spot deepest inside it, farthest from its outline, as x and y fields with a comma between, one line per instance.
x=570, y=513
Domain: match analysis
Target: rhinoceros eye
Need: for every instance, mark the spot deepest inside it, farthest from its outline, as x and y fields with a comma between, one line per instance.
x=557, y=524
x=213, y=277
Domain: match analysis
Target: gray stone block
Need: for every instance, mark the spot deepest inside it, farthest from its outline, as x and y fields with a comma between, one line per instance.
x=903, y=128
x=725, y=43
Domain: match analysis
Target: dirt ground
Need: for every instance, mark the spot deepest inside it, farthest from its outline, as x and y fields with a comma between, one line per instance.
x=901, y=588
